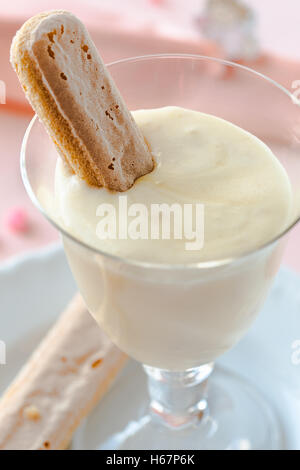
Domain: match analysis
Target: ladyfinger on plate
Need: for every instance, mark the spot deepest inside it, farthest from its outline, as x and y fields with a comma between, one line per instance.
x=73, y=94
x=63, y=380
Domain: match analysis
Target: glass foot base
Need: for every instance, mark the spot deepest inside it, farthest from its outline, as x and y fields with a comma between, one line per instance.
x=238, y=417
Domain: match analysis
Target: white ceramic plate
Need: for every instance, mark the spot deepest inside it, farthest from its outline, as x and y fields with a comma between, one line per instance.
x=35, y=289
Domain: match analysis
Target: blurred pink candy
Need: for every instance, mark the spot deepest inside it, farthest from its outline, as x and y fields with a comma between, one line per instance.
x=17, y=220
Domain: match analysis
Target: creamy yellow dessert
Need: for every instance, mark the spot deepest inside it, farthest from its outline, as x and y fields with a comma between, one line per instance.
x=200, y=159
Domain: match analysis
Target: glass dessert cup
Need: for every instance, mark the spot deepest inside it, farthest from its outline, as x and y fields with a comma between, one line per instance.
x=178, y=319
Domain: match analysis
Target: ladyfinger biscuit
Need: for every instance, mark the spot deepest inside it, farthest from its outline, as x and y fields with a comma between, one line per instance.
x=63, y=380
x=75, y=97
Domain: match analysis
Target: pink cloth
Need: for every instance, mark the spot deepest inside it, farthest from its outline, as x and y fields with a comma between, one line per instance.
x=120, y=29
x=278, y=25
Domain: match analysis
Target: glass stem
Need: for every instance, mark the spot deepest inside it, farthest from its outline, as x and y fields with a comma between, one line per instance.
x=178, y=399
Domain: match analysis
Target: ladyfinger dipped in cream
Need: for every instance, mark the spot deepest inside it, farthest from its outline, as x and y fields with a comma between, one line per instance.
x=73, y=94
x=63, y=380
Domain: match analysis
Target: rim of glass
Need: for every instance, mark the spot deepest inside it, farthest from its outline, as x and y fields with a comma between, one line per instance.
x=201, y=264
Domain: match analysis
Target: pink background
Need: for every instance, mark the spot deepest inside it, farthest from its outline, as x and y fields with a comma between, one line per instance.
x=123, y=28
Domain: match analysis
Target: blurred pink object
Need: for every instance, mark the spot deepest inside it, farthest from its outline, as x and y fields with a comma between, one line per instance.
x=157, y=2
x=17, y=220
